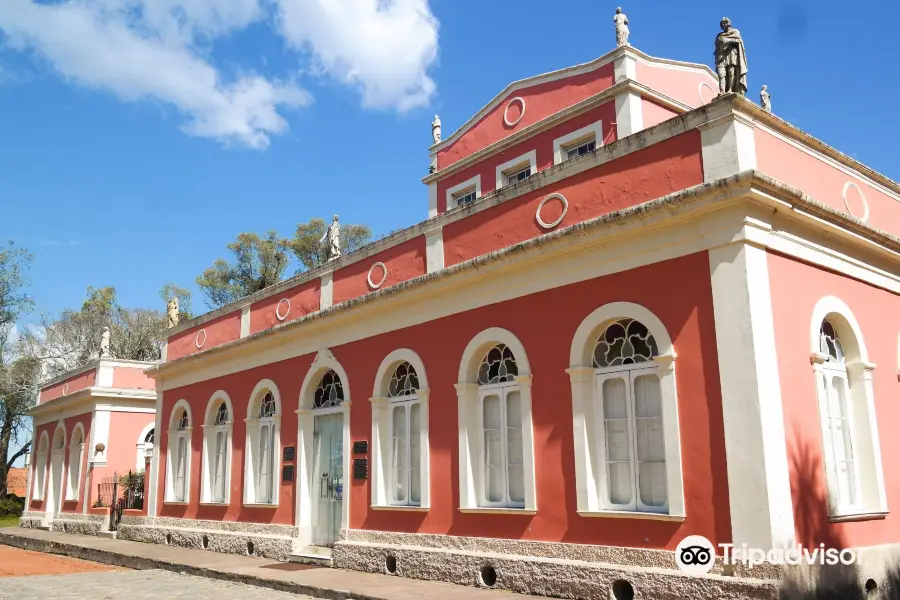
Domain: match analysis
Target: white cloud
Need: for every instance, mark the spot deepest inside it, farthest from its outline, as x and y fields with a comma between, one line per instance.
x=140, y=50
x=383, y=46
x=164, y=50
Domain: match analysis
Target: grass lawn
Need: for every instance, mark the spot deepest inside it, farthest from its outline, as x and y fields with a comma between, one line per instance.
x=9, y=521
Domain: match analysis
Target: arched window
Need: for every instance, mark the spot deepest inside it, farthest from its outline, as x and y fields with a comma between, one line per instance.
x=851, y=447
x=264, y=422
x=502, y=461
x=405, y=435
x=630, y=408
x=330, y=392
x=76, y=455
x=217, y=450
x=624, y=403
x=40, y=466
x=179, y=454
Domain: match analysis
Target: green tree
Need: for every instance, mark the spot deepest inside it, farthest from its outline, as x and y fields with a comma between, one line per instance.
x=73, y=339
x=309, y=249
x=258, y=263
x=14, y=301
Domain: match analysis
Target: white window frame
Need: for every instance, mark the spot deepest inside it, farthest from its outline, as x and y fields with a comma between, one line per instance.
x=871, y=494
x=76, y=456
x=462, y=189
x=502, y=390
x=382, y=433
x=630, y=372
x=174, y=463
x=144, y=448
x=211, y=433
x=561, y=145
x=407, y=403
x=470, y=433
x=256, y=427
x=590, y=474
x=40, y=466
x=527, y=160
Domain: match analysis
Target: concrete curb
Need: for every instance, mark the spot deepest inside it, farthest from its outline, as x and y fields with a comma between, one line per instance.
x=140, y=563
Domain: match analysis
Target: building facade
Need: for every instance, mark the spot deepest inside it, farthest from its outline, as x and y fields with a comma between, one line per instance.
x=91, y=425
x=636, y=312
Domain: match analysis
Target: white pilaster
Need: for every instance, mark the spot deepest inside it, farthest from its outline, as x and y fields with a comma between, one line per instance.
x=434, y=250
x=105, y=375
x=729, y=147
x=432, y=199
x=100, y=435
x=326, y=291
x=755, y=446
x=163, y=350
x=625, y=67
x=157, y=445
x=629, y=114
x=245, y=321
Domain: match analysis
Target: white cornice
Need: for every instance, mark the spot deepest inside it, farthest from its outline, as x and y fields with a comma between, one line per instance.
x=91, y=395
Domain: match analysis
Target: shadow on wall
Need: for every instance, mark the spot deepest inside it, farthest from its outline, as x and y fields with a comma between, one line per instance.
x=838, y=582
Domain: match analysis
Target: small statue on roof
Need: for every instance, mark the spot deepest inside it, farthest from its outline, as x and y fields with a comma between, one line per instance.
x=436, y=129
x=104, y=343
x=332, y=240
x=622, y=31
x=172, y=312
x=765, y=100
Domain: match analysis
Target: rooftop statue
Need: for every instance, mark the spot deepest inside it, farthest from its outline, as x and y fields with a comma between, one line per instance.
x=172, y=312
x=436, y=129
x=104, y=343
x=731, y=60
x=765, y=100
x=622, y=31
x=332, y=240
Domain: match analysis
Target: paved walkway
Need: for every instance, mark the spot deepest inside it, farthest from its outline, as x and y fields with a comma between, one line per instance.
x=15, y=562
x=334, y=584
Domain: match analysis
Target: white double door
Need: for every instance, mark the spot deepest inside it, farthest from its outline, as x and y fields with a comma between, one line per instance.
x=328, y=479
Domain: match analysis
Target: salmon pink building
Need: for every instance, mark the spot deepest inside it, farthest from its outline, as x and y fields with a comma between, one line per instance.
x=89, y=425
x=636, y=312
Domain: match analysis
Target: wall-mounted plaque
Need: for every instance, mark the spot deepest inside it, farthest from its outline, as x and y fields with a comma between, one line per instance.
x=360, y=468
x=287, y=473
x=361, y=447
x=289, y=453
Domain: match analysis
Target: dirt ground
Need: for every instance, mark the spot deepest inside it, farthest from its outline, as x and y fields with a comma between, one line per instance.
x=17, y=563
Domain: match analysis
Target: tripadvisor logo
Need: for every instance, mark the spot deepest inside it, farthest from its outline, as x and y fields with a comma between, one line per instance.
x=695, y=555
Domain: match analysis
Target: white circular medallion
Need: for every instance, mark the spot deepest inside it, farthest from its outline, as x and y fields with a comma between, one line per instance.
x=200, y=339
x=712, y=92
x=506, y=120
x=384, y=274
x=282, y=313
x=862, y=198
x=565, y=209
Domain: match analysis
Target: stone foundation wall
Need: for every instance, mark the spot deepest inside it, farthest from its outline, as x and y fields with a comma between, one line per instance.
x=80, y=523
x=32, y=519
x=255, y=539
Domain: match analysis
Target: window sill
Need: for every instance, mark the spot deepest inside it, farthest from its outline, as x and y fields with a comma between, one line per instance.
x=400, y=508
x=864, y=516
x=248, y=505
x=486, y=510
x=215, y=504
x=623, y=514
x=175, y=502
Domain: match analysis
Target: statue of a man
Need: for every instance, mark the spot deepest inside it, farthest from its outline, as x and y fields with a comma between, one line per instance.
x=172, y=312
x=104, y=343
x=731, y=60
x=332, y=240
x=622, y=32
x=436, y=129
x=765, y=100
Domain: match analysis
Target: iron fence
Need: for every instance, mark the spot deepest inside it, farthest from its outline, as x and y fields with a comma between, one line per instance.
x=120, y=493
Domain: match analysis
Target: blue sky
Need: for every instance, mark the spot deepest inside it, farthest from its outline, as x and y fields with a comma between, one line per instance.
x=138, y=137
